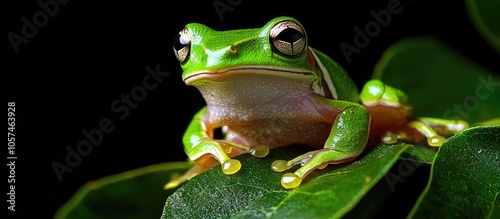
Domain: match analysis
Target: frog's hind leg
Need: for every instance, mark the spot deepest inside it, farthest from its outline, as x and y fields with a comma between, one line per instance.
x=434, y=128
x=390, y=110
x=445, y=126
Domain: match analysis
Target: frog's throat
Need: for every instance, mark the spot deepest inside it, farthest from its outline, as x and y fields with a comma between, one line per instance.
x=223, y=75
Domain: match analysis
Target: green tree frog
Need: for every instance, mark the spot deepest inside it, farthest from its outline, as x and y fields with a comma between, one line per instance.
x=266, y=88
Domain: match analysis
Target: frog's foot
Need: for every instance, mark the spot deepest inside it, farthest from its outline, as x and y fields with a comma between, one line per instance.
x=432, y=129
x=393, y=138
x=222, y=151
x=310, y=161
x=445, y=126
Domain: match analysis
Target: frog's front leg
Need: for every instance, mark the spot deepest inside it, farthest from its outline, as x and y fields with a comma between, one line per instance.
x=348, y=137
x=206, y=152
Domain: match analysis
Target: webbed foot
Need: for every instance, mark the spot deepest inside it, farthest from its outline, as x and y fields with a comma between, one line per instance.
x=310, y=161
x=433, y=129
x=222, y=150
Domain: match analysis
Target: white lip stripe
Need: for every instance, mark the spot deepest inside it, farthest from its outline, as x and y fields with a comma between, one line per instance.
x=326, y=75
x=254, y=69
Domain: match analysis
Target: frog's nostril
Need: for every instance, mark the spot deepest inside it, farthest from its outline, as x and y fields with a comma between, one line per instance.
x=232, y=49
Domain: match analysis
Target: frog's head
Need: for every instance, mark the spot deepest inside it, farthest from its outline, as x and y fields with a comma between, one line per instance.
x=277, y=51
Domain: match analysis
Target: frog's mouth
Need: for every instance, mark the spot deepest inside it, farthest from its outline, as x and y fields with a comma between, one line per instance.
x=227, y=74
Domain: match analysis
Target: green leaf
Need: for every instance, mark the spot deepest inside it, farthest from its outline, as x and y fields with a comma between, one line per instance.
x=421, y=154
x=484, y=16
x=255, y=192
x=465, y=177
x=133, y=194
x=439, y=81
x=395, y=194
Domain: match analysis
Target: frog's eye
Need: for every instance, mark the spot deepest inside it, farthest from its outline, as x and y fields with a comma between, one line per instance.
x=182, y=45
x=288, y=38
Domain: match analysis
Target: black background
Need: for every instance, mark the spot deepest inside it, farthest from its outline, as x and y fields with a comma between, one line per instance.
x=91, y=52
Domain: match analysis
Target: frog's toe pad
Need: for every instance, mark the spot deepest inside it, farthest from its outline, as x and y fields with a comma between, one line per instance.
x=231, y=166
x=279, y=165
x=460, y=126
x=290, y=181
x=259, y=151
x=172, y=184
x=436, y=141
x=389, y=138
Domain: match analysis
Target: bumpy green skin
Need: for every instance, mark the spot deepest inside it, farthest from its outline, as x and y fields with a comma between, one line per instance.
x=318, y=92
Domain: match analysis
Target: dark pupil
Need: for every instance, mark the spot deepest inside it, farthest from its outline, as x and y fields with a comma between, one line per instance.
x=179, y=42
x=289, y=35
